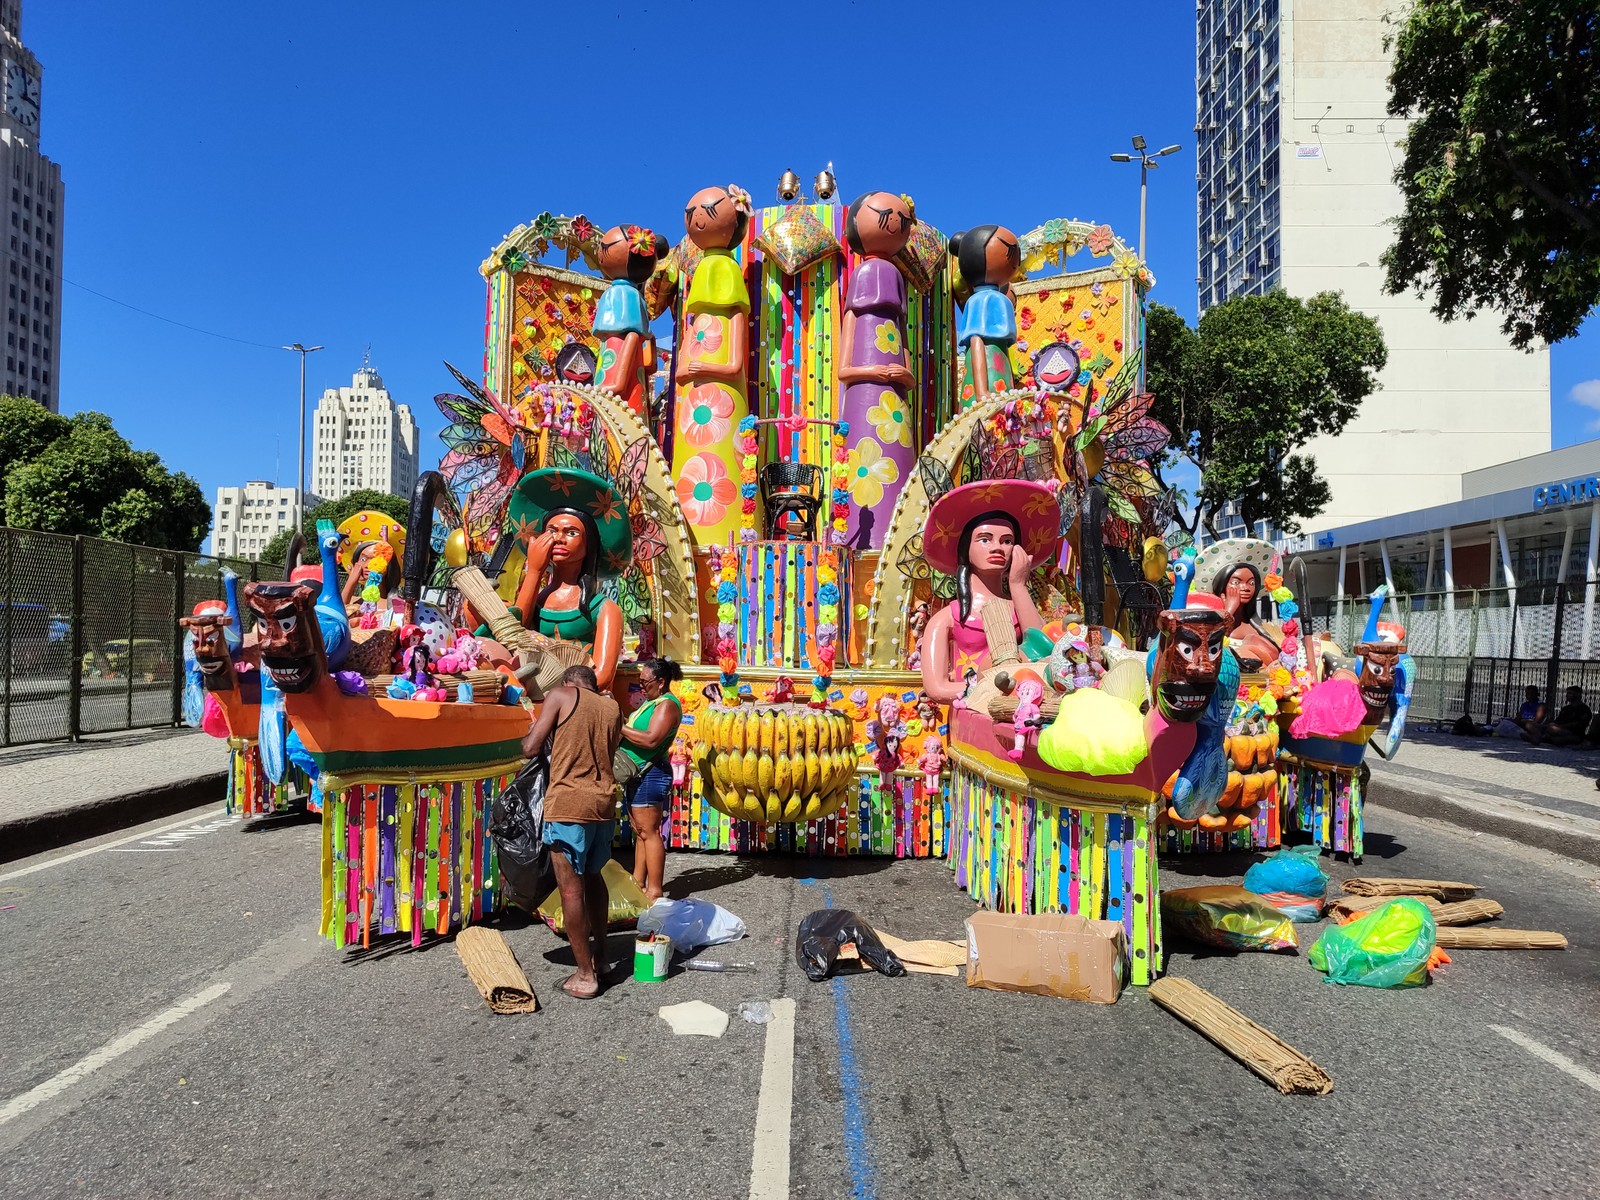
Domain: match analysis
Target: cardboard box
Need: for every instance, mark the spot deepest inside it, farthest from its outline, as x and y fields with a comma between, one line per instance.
x=1051, y=954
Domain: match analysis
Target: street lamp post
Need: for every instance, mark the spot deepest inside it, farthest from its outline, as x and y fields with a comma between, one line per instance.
x=1147, y=163
x=300, y=463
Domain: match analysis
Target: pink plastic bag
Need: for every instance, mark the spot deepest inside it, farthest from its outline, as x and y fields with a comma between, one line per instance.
x=212, y=720
x=1331, y=709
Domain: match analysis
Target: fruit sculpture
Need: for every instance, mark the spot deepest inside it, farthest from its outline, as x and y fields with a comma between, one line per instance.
x=777, y=762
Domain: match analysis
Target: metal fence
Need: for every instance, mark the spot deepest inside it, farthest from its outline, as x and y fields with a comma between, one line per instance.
x=89, y=637
x=1477, y=651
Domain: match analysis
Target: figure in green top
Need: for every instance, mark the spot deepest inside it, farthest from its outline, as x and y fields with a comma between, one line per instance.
x=647, y=739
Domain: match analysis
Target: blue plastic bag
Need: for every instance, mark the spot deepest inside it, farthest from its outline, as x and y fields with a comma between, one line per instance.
x=1292, y=881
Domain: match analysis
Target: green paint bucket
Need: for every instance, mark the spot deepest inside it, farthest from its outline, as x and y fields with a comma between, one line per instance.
x=651, y=953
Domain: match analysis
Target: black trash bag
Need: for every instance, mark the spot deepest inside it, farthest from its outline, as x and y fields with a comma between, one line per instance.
x=516, y=823
x=825, y=932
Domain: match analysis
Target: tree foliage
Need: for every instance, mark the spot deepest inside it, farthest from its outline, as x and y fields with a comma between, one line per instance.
x=88, y=480
x=1501, y=177
x=26, y=429
x=336, y=511
x=1259, y=378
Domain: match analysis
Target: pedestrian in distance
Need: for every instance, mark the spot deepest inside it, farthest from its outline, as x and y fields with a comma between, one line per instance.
x=582, y=728
x=1570, y=725
x=647, y=739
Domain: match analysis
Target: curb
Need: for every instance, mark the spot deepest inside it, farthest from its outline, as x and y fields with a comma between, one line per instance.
x=61, y=826
x=1527, y=825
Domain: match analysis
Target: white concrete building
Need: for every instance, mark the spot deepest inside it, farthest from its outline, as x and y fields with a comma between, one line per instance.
x=1296, y=163
x=32, y=195
x=362, y=439
x=246, y=518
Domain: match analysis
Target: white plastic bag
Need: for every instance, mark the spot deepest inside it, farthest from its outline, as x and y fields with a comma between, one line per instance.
x=690, y=924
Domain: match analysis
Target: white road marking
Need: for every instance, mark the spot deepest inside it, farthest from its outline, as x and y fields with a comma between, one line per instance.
x=769, y=1159
x=1557, y=1060
x=111, y=1051
x=145, y=850
x=132, y=837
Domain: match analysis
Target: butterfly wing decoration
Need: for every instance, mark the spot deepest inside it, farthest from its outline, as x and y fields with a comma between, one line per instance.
x=600, y=451
x=560, y=454
x=631, y=468
x=647, y=539
x=633, y=592
x=936, y=480
x=1131, y=479
x=1139, y=440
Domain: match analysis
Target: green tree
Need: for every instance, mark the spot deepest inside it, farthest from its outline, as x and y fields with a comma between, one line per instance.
x=1501, y=178
x=91, y=481
x=1255, y=381
x=336, y=511
x=26, y=429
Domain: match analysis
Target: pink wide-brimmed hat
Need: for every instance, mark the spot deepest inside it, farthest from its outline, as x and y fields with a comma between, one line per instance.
x=1031, y=505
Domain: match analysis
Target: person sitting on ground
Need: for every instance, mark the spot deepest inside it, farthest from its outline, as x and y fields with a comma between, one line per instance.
x=1532, y=711
x=583, y=729
x=647, y=739
x=1570, y=725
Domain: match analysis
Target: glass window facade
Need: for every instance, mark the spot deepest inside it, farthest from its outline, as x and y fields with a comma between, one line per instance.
x=1237, y=127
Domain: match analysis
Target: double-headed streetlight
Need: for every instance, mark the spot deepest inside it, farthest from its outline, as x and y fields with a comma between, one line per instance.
x=1147, y=163
x=300, y=463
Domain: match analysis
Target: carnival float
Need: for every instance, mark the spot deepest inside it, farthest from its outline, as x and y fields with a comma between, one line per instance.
x=887, y=496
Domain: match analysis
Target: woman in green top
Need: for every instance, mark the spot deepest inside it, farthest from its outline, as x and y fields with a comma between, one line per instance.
x=647, y=738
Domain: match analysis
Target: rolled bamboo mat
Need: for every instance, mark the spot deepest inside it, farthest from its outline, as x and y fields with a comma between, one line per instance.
x=1000, y=630
x=1467, y=912
x=1004, y=708
x=1440, y=889
x=494, y=970
x=1495, y=938
x=1357, y=906
x=1268, y=1055
x=491, y=610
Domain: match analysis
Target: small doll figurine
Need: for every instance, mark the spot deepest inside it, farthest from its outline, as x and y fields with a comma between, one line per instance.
x=679, y=758
x=918, y=624
x=928, y=711
x=782, y=690
x=410, y=638
x=417, y=667
x=1083, y=675
x=932, y=763
x=647, y=639
x=886, y=733
x=1029, y=692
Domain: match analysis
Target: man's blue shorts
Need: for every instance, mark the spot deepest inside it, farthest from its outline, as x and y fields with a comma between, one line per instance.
x=587, y=844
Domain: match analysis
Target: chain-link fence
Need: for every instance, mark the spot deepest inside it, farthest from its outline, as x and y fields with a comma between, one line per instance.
x=89, y=637
x=1477, y=651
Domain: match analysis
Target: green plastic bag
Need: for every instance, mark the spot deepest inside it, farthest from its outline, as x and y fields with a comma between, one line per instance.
x=1387, y=948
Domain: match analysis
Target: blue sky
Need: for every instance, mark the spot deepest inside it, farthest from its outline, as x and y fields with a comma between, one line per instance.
x=335, y=172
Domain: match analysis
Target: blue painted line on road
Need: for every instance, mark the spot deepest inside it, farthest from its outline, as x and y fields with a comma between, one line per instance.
x=864, y=1184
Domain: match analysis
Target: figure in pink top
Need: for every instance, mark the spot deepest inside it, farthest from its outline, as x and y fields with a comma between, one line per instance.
x=1029, y=693
x=931, y=762
x=886, y=733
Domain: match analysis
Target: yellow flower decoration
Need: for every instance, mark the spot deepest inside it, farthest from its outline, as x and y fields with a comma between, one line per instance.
x=866, y=472
x=890, y=420
x=887, y=338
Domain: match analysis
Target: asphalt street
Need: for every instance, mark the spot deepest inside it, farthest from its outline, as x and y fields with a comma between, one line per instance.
x=214, y=1047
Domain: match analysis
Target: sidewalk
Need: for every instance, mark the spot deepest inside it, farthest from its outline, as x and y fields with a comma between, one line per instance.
x=1538, y=795
x=60, y=792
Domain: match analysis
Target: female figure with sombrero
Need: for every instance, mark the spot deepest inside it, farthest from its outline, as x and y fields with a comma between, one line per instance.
x=360, y=537
x=1228, y=577
x=577, y=532
x=989, y=535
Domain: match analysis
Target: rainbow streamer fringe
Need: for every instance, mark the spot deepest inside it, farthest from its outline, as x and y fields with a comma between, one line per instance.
x=1328, y=805
x=778, y=602
x=1264, y=833
x=250, y=792
x=1018, y=853
x=407, y=857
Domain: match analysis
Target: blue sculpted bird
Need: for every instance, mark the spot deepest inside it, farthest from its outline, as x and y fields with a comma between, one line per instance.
x=1204, y=775
x=331, y=616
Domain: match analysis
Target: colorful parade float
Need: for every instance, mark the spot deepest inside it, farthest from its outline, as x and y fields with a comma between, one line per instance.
x=885, y=495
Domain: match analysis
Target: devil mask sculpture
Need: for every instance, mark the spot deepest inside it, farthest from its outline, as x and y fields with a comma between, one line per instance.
x=211, y=650
x=1187, y=662
x=1378, y=662
x=286, y=623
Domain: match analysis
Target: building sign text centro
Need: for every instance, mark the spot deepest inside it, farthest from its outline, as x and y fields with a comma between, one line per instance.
x=1573, y=491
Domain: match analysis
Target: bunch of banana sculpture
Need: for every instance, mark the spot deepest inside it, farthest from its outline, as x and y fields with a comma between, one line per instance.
x=776, y=762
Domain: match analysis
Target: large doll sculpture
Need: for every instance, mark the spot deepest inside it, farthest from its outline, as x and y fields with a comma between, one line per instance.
x=874, y=371
x=988, y=257
x=628, y=256
x=990, y=535
x=712, y=387
x=577, y=532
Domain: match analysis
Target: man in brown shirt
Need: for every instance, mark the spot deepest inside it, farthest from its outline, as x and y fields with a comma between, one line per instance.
x=580, y=807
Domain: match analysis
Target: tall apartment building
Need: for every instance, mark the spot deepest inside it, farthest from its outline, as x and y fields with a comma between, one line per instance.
x=1296, y=162
x=246, y=518
x=363, y=439
x=32, y=196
